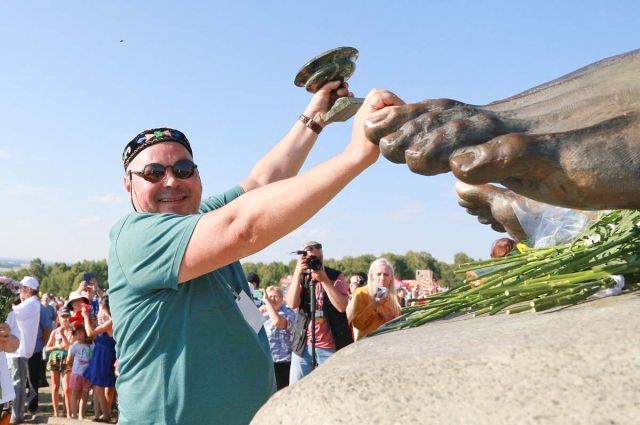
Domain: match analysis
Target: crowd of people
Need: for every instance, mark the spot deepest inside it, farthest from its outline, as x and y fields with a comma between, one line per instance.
x=73, y=340
x=305, y=323
x=70, y=338
x=322, y=313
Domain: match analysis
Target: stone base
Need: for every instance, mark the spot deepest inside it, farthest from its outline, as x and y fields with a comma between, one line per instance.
x=576, y=365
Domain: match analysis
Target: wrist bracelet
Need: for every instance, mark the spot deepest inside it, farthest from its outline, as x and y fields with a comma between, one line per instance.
x=310, y=123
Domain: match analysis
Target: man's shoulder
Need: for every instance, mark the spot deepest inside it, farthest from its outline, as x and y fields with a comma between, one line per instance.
x=141, y=218
x=31, y=304
x=138, y=237
x=118, y=224
x=214, y=202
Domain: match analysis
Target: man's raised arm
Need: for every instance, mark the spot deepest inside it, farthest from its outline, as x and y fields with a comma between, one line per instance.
x=266, y=214
x=286, y=158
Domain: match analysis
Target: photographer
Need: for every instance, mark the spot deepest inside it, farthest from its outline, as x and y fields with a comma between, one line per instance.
x=330, y=322
x=376, y=303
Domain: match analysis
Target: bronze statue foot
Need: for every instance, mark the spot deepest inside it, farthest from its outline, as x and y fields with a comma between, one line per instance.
x=573, y=142
x=492, y=205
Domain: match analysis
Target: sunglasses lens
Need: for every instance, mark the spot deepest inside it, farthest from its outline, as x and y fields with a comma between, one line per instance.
x=153, y=172
x=184, y=169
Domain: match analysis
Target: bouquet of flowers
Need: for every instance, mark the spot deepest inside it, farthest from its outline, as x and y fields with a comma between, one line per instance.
x=539, y=279
x=8, y=291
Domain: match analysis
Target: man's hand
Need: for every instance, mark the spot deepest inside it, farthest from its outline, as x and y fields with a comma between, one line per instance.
x=380, y=299
x=301, y=265
x=8, y=342
x=5, y=333
x=324, y=99
x=320, y=276
x=377, y=103
x=85, y=313
x=265, y=299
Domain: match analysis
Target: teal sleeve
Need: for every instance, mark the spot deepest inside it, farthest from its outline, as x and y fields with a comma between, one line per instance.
x=149, y=249
x=217, y=201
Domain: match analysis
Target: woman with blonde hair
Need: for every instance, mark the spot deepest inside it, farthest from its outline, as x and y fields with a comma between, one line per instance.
x=376, y=303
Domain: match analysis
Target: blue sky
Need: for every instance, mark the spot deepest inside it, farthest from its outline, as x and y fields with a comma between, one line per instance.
x=72, y=94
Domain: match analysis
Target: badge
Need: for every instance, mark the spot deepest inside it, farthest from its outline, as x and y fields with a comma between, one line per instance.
x=249, y=311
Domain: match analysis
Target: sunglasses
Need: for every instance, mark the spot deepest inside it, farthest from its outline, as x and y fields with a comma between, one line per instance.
x=316, y=246
x=154, y=172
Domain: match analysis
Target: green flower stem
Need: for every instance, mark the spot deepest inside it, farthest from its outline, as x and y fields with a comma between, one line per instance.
x=519, y=309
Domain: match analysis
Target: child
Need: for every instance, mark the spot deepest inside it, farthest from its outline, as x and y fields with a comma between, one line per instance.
x=79, y=357
x=75, y=304
x=57, y=346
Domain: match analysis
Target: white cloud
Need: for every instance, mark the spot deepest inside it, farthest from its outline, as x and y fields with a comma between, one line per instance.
x=407, y=212
x=3, y=154
x=22, y=190
x=89, y=220
x=109, y=198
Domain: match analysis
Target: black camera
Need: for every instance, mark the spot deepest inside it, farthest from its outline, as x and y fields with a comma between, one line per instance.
x=313, y=262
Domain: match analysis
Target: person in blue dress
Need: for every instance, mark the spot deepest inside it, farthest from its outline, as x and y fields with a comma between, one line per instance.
x=101, y=370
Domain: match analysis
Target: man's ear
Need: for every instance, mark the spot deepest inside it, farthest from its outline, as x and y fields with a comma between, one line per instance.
x=126, y=180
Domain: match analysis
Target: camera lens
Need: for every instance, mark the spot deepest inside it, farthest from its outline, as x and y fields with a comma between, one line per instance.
x=314, y=263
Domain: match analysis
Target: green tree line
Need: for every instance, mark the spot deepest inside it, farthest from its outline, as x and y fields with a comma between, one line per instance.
x=61, y=278
x=405, y=267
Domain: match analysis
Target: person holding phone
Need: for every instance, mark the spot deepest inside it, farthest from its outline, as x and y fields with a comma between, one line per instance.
x=376, y=303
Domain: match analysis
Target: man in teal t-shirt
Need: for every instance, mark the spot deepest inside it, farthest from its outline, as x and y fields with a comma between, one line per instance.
x=190, y=349
x=186, y=354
